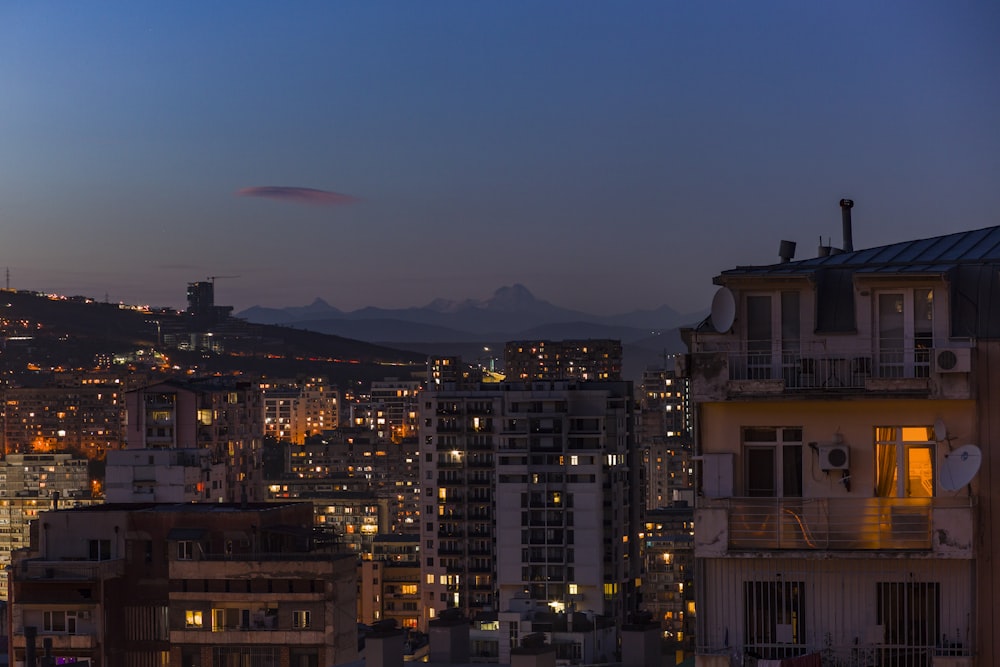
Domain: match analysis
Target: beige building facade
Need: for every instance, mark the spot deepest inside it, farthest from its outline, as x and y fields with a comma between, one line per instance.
x=836, y=513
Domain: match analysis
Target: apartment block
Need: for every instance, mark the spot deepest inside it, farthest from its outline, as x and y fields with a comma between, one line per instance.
x=840, y=510
x=530, y=504
x=585, y=360
x=223, y=418
x=295, y=409
x=31, y=484
x=190, y=585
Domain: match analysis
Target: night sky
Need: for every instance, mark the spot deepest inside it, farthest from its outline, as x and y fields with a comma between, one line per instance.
x=608, y=155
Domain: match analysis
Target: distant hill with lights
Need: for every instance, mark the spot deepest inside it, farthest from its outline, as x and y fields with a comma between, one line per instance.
x=42, y=332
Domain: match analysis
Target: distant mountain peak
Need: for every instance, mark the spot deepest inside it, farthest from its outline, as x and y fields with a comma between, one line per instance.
x=512, y=297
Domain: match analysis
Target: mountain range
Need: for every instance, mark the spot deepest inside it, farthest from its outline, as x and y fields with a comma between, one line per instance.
x=466, y=327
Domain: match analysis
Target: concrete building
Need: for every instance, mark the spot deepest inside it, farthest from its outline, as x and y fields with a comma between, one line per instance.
x=393, y=408
x=34, y=483
x=390, y=581
x=834, y=513
x=223, y=418
x=82, y=413
x=295, y=409
x=190, y=585
x=531, y=497
x=591, y=359
x=668, y=576
x=164, y=476
x=666, y=437
x=356, y=460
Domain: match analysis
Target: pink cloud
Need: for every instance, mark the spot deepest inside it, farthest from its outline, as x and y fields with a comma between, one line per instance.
x=299, y=195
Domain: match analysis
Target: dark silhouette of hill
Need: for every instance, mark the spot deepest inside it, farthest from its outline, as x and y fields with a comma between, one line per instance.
x=49, y=332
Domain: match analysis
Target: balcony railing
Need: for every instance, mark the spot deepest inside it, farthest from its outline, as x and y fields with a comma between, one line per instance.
x=833, y=523
x=831, y=369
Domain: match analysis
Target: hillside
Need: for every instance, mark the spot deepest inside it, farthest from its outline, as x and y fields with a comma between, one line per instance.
x=45, y=332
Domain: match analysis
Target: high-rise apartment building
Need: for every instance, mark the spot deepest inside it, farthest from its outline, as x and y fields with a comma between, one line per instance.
x=530, y=496
x=665, y=436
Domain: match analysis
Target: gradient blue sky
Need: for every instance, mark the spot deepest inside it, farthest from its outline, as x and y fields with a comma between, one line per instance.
x=608, y=155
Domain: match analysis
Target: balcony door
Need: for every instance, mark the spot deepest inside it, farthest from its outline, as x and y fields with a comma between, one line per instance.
x=905, y=321
x=904, y=462
x=773, y=335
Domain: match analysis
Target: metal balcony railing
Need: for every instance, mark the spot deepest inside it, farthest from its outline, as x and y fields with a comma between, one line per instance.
x=833, y=523
x=831, y=368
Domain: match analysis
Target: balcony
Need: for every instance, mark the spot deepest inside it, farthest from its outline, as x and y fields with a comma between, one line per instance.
x=60, y=641
x=62, y=570
x=941, y=525
x=846, y=368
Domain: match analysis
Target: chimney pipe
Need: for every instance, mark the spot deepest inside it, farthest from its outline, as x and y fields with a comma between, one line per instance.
x=786, y=251
x=845, y=211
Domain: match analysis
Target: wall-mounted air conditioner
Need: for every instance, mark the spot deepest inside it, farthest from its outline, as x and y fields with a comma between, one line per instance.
x=952, y=360
x=834, y=457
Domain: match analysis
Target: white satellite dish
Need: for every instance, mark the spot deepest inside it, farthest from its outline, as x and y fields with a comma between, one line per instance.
x=960, y=466
x=940, y=430
x=723, y=310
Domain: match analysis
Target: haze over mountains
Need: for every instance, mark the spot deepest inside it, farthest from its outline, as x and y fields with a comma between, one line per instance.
x=465, y=327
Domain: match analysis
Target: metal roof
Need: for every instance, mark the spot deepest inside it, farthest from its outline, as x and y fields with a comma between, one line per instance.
x=939, y=254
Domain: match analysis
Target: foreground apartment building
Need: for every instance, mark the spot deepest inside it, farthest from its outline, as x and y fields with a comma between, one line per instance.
x=836, y=514
x=191, y=585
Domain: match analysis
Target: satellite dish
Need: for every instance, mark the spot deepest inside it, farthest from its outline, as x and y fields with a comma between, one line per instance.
x=940, y=431
x=723, y=310
x=960, y=466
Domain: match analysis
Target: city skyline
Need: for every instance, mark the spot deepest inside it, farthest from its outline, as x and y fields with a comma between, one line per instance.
x=386, y=155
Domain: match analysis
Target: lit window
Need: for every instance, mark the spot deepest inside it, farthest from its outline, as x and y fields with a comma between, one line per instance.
x=192, y=618
x=301, y=620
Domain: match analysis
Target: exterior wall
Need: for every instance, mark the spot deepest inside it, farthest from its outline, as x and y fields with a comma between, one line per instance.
x=867, y=579
x=988, y=509
x=855, y=420
x=225, y=420
x=163, y=476
x=84, y=416
x=123, y=576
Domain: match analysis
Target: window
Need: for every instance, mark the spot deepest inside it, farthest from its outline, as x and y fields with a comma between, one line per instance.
x=909, y=612
x=408, y=589
x=100, y=549
x=301, y=620
x=773, y=623
x=905, y=332
x=185, y=550
x=904, y=462
x=773, y=324
x=192, y=618
x=772, y=462
x=54, y=621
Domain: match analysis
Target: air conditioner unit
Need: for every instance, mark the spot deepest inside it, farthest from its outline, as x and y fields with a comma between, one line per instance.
x=953, y=360
x=834, y=457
